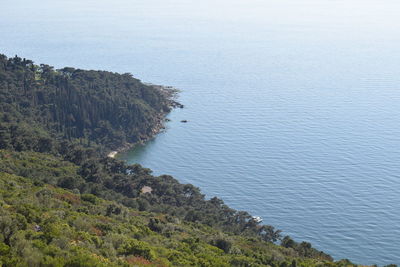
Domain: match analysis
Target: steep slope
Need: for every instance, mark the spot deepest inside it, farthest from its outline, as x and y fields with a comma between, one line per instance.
x=39, y=103
x=42, y=225
x=63, y=203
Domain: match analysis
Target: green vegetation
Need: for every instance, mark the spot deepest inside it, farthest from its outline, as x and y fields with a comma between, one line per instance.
x=63, y=203
x=39, y=104
x=43, y=225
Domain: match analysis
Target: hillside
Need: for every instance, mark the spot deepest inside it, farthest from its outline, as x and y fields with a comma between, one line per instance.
x=42, y=225
x=63, y=203
x=39, y=104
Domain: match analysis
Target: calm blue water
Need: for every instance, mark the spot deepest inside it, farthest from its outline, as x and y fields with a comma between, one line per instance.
x=293, y=106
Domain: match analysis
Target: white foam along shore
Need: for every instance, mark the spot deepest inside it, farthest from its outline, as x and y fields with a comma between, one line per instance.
x=171, y=94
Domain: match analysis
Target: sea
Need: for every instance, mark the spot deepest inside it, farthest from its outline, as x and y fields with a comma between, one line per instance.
x=292, y=106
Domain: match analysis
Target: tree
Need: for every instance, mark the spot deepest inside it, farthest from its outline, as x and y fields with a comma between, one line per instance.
x=268, y=233
x=288, y=242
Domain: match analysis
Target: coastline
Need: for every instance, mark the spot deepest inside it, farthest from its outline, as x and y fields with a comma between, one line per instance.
x=171, y=95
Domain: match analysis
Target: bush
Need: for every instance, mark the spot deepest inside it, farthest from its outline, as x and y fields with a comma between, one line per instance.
x=4, y=249
x=223, y=244
x=89, y=198
x=137, y=248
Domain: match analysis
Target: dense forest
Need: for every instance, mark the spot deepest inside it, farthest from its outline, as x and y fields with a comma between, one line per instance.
x=39, y=104
x=43, y=225
x=64, y=203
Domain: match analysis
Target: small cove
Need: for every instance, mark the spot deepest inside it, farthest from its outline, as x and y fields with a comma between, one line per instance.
x=292, y=108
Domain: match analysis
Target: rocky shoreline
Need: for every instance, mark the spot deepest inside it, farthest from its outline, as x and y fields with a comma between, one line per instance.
x=171, y=95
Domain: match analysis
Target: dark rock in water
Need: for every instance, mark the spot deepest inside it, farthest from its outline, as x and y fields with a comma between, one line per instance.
x=175, y=104
x=184, y=121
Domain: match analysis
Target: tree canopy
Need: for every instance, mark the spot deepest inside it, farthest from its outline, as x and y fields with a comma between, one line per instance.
x=64, y=203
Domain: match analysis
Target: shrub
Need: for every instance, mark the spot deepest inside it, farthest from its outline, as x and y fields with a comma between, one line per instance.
x=89, y=198
x=137, y=248
x=223, y=244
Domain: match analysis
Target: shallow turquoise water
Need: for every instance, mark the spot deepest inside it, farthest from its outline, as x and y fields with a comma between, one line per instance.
x=293, y=106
